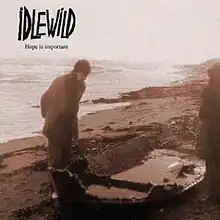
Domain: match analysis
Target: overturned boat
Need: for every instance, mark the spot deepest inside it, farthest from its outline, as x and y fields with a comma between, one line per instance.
x=163, y=175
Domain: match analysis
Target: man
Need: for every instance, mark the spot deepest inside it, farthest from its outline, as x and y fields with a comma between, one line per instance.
x=210, y=116
x=59, y=108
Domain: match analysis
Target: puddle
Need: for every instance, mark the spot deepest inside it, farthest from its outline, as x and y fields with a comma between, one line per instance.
x=154, y=170
x=114, y=193
x=23, y=159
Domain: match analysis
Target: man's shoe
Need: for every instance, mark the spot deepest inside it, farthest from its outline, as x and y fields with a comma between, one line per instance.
x=55, y=202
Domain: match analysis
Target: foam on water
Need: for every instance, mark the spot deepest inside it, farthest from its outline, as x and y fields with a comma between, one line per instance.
x=22, y=82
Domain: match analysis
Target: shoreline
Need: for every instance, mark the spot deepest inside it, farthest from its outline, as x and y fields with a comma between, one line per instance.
x=17, y=125
x=180, y=89
x=94, y=106
x=37, y=133
x=123, y=99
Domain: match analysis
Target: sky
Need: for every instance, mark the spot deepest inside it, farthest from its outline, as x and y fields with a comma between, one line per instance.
x=181, y=31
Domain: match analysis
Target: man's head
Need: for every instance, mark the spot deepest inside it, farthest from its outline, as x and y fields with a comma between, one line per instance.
x=82, y=68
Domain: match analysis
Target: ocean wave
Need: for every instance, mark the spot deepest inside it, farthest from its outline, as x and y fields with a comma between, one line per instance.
x=14, y=81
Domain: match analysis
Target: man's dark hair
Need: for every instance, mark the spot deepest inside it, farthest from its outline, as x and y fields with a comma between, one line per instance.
x=82, y=66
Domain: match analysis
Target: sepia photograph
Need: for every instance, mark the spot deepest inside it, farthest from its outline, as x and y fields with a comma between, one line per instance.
x=110, y=110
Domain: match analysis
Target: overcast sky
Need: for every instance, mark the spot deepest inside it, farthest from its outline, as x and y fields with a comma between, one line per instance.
x=185, y=31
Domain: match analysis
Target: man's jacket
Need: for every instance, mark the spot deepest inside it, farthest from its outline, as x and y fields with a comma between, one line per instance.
x=61, y=99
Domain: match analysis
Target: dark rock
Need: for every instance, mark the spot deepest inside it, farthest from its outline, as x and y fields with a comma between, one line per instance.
x=88, y=130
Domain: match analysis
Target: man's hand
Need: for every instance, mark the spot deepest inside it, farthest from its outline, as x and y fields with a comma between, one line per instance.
x=75, y=146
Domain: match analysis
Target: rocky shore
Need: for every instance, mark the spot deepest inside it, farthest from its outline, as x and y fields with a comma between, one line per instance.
x=167, y=116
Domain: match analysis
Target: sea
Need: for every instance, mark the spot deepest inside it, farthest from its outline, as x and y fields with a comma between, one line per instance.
x=23, y=81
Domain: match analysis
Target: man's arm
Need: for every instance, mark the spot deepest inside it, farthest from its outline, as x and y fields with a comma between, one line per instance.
x=75, y=128
x=44, y=98
x=81, y=91
x=75, y=118
x=205, y=109
x=43, y=104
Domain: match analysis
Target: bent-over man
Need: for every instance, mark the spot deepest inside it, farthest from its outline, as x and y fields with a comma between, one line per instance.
x=59, y=108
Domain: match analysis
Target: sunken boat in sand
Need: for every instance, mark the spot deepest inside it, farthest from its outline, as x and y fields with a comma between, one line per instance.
x=162, y=175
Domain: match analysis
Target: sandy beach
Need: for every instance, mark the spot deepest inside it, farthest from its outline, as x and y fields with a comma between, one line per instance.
x=167, y=116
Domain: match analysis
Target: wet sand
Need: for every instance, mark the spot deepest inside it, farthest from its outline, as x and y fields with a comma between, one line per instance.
x=166, y=116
